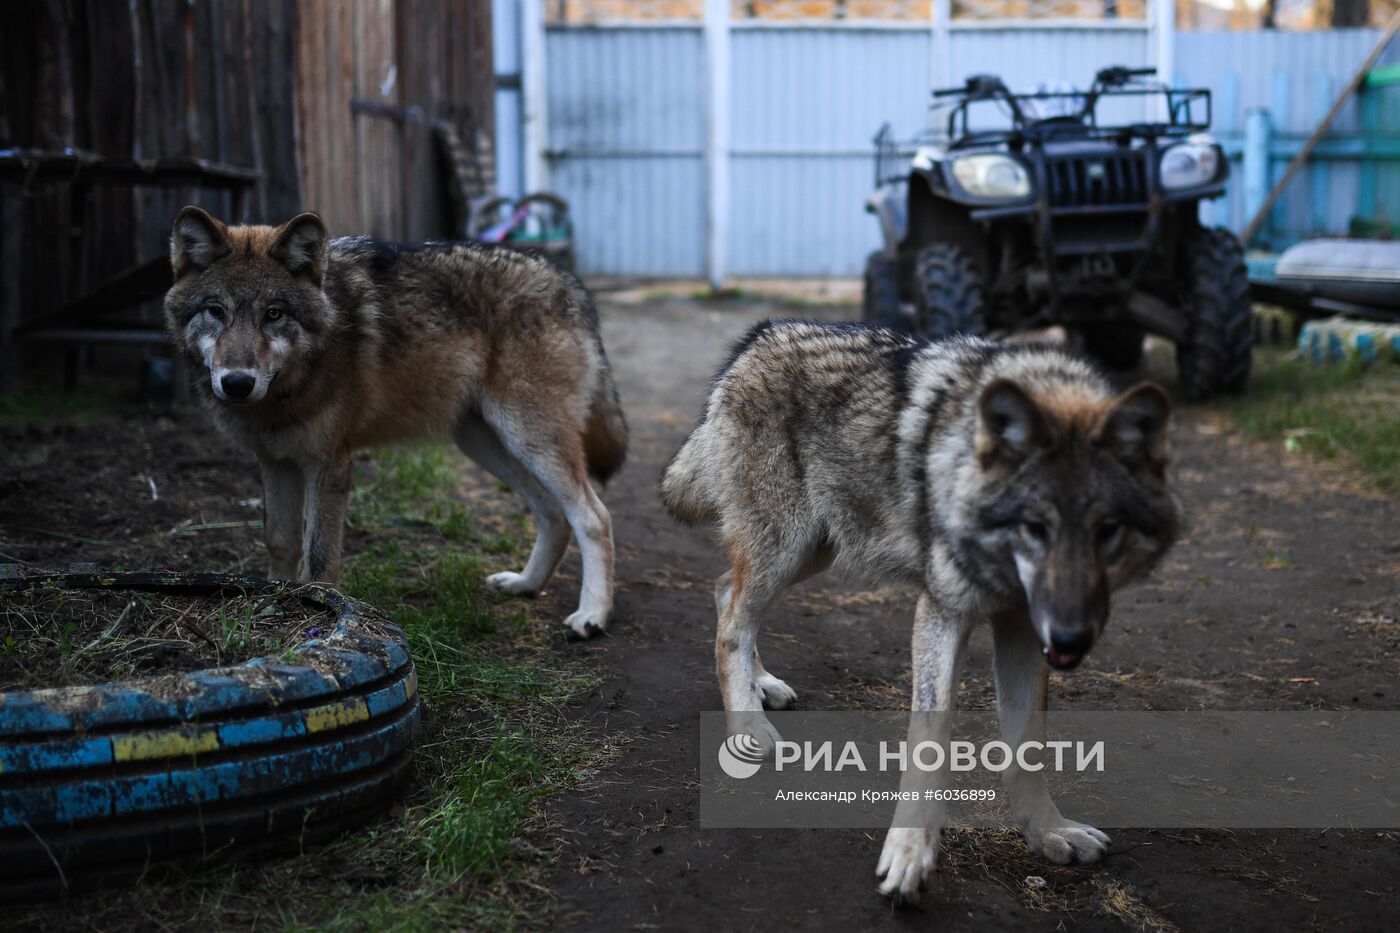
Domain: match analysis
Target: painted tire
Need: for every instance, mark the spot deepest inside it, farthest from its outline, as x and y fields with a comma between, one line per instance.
x=1337, y=339
x=105, y=781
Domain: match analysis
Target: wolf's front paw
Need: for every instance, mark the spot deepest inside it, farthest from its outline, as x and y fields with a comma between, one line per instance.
x=1067, y=842
x=587, y=622
x=776, y=694
x=508, y=581
x=754, y=723
x=906, y=861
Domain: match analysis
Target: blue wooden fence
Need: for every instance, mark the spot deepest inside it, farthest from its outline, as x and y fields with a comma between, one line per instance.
x=1271, y=88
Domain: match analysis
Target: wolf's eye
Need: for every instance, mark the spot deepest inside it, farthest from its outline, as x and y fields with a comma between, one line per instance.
x=1107, y=533
x=274, y=314
x=1035, y=531
x=215, y=311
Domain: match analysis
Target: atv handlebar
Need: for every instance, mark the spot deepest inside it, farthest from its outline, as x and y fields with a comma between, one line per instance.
x=977, y=87
x=1117, y=74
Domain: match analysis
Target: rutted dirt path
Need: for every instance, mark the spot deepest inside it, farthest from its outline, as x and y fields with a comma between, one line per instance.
x=1278, y=598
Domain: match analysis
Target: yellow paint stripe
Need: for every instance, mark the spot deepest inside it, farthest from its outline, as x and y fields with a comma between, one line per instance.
x=335, y=715
x=176, y=743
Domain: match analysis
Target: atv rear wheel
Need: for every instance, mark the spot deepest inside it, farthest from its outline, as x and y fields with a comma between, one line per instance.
x=949, y=292
x=881, y=298
x=1115, y=346
x=1215, y=355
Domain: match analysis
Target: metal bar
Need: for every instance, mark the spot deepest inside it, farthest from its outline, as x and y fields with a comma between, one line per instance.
x=96, y=335
x=534, y=78
x=1156, y=315
x=1257, y=131
x=941, y=39
x=400, y=115
x=857, y=25
x=1370, y=122
x=717, y=77
x=1321, y=172
x=1301, y=298
x=1162, y=19
x=1347, y=147
x=1281, y=111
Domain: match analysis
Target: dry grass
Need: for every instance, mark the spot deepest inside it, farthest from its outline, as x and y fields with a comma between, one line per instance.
x=60, y=638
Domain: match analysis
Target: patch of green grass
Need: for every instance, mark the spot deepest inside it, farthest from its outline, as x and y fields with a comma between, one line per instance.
x=29, y=407
x=402, y=482
x=1346, y=411
x=495, y=742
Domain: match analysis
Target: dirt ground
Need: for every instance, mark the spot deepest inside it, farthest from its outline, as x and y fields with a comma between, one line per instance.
x=1283, y=595
x=1271, y=601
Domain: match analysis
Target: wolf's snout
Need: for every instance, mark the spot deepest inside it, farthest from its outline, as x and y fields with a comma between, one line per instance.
x=1067, y=647
x=238, y=386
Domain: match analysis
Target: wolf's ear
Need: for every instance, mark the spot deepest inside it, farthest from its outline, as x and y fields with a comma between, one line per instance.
x=1134, y=428
x=1010, y=426
x=196, y=240
x=300, y=246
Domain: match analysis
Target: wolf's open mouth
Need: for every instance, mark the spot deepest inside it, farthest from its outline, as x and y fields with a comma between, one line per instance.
x=1062, y=661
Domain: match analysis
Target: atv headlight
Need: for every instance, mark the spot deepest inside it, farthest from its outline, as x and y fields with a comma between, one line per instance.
x=1189, y=165
x=991, y=176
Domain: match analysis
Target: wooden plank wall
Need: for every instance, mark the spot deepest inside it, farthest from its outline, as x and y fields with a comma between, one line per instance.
x=368, y=173
x=148, y=79
x=263, y=84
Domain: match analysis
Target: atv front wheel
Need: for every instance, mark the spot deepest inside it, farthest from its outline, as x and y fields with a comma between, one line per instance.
x=881, y=298
x=1215, y=355
x=949, y=292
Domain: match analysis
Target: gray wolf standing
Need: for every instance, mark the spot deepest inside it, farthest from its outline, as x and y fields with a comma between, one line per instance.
x=1008, y=484
x=309, y=349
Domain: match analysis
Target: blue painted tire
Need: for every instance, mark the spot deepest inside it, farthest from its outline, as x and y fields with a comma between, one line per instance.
x=1338, y=339
x=106, y=781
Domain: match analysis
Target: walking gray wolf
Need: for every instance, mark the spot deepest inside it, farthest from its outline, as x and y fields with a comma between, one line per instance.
x=1006, y=484
x=310, y=349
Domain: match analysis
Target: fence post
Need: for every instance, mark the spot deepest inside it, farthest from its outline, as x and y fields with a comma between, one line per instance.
x=716, y=141
x=941, y=37
x=1369, y=101
x=1163, y=52
x=535, y=96
x=1323, y=95
x=1258, y=141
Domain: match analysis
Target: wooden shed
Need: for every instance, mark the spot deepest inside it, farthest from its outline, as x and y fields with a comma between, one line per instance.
x=113, y=115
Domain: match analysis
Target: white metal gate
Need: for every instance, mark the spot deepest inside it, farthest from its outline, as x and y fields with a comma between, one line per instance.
x=703, y=142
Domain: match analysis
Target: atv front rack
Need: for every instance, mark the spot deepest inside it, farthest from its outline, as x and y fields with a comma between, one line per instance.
x=1035, y=116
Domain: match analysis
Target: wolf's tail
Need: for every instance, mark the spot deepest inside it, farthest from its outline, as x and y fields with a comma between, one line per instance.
x=682, y=485
x=605, y=432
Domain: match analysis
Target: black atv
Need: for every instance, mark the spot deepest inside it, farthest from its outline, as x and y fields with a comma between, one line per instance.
x=1060, y=219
